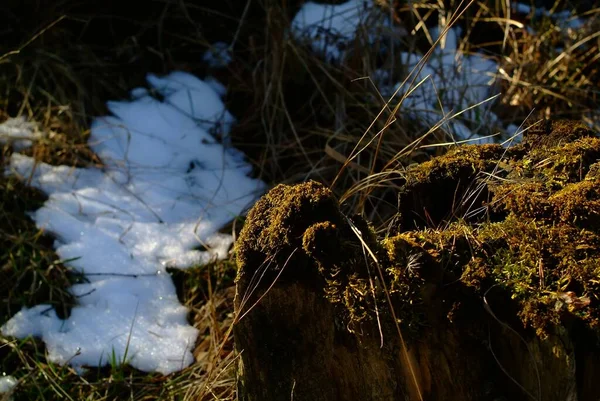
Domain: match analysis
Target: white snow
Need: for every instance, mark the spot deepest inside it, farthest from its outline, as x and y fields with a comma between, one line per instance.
x=19, y=132
x=7, y=384
x=453, y=82
x=218, y=55
x=216, y=85
x=521, y=8
x=565, y=18
x=329, y=28
x=167, y=187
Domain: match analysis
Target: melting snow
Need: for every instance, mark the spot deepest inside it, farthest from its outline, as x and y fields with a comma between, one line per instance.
x=218, y=56
x=329, y=28
x=19, y=132
x=7, y=383
x=167, y=187
x=564, y=19
x=455, y=80
x=452, y=81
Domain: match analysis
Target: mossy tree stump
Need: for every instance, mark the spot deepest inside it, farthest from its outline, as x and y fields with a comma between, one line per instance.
x=488, y=290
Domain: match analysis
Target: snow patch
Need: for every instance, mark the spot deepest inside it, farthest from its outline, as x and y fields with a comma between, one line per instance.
x=7, y=384
x=452, y=82
x=18, y=132
x=218, y=55
x=166, y=188
x=329, y=28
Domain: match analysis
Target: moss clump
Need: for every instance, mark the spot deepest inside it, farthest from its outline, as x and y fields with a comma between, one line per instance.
x=553, y=133
x=518, y=226
x=577, y=203
x=593, y=172
x=559, y=165
x=301, y=229
x=555, y=184
x=536, y=241
x=548, y=271
x=322, y=242
x=445, y=181
x=275, y=225
x=457, y=185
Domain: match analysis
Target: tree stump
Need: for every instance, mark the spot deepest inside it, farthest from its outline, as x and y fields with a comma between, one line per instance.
x=487, y=290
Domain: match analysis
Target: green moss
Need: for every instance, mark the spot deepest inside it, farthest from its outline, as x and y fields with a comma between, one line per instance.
x=321, y=241
x=553, y=184
x=578, y=204
x=537, y=244
x=275, y=225
x=593, y=172
x=532, y=263
x=533, y=247
x=433, y=190
x=557, y=166
x=553, y=133
x=539, y=264
x=460, y=162
x=301, y=229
